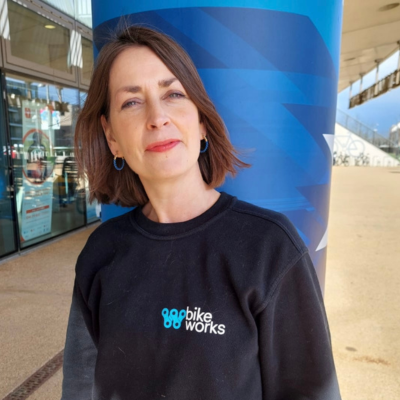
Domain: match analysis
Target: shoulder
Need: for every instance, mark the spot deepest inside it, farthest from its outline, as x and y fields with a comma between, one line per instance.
x=267, y=242
x=113, y=226
x=265, y=221
x=102, y=245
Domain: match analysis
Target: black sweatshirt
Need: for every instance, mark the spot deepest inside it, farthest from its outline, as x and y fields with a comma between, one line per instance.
x=226, y=306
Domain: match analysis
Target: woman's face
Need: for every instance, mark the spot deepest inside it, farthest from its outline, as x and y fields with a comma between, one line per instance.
x=152, y=123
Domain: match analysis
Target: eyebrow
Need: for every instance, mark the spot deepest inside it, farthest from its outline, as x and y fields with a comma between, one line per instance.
x=164, y=83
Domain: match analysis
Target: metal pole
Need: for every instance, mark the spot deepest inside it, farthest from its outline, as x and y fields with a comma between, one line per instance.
x=398, y=66
x=398, y=59
x=376, y=77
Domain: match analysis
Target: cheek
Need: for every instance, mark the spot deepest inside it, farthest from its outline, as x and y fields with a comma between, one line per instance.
x=128, y=137
x=189, y=117
x=195, y=128
x=133, y=155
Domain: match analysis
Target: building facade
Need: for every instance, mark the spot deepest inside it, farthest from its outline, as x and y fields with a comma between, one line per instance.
x=46, y=60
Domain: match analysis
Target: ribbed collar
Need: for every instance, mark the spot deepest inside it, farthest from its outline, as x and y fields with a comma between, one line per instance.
x=178, y=229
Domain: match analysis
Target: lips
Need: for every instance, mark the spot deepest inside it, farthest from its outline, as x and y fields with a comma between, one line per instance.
x=162, y=146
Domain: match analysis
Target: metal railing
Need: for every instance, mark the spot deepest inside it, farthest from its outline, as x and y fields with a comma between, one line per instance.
x=367, y=133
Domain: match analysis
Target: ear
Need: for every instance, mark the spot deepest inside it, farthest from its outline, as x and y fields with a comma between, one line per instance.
x=112, y=143
x=203, y=131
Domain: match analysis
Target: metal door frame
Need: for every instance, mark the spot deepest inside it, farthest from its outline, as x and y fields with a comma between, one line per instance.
x=10, y=165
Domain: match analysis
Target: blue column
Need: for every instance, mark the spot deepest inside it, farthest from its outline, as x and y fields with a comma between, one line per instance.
x=271, y=68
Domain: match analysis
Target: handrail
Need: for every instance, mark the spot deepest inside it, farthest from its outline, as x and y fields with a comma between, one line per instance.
x=365, y=132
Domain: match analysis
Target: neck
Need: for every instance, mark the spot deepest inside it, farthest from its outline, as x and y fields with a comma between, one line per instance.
x=179, y=199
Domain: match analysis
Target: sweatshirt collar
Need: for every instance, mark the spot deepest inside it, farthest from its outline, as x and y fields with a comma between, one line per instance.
x=171, y=230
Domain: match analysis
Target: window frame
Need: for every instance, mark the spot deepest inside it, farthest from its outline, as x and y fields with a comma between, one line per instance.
x=86, y=33
x=17, y=64
x=17, y=215
x=1, y=52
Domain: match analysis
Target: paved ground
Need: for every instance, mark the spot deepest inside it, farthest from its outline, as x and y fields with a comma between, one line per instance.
x=35, y=296
x=362, y=292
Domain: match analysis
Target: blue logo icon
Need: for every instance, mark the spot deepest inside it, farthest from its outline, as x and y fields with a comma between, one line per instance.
x=172, y=318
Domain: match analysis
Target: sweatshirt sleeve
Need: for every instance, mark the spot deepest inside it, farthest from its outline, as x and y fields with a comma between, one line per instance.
x=294, y=339
x=80, y=353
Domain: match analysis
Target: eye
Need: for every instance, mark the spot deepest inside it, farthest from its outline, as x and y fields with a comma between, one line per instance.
x=176, y=95
x=129, y=104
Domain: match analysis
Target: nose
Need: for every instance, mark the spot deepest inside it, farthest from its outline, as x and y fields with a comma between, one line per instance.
x=157, y=115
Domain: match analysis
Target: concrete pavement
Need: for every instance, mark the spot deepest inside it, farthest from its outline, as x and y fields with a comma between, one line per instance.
x=362, y=291
x=35, y=297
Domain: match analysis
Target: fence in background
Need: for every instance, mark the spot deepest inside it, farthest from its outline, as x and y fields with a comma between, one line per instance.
x=367, y=133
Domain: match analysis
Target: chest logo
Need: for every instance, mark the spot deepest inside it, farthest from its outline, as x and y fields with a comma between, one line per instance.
x=173, y=318
x=196, y=320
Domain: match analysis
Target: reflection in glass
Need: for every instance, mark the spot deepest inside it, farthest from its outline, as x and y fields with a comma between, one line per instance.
x=48, y=193
x=38, y=39
x=87, y=56
x=80, y=10
x=83, y=12
x=93, y=210
x=66, y=6
x=7, y=230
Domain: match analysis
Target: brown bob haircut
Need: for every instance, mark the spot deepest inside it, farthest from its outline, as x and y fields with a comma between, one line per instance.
x=92, y=153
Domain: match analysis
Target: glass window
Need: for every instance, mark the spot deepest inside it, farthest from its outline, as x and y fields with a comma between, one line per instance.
x=39, y=40
x=66, y=6
x=93, y=210
x=83, y=12
x=80, y=10
x=7, y=221
x=42, y=120
x=87, y=56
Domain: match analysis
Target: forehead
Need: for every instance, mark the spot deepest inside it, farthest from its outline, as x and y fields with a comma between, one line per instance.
x=137, y=66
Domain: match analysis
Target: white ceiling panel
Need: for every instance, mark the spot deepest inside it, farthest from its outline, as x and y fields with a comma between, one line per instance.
x=367, y=35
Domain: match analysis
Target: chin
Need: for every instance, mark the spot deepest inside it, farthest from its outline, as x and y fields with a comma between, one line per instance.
x=169, y=169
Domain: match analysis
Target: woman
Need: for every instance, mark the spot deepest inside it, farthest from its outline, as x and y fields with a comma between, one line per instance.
x=194, y=294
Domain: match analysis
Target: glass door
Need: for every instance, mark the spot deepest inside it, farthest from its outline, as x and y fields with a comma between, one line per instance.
x=93, y=210
x=50, y=199
x=8, y=242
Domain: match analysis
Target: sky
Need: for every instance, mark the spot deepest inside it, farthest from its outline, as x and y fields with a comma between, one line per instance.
x=380, y=113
